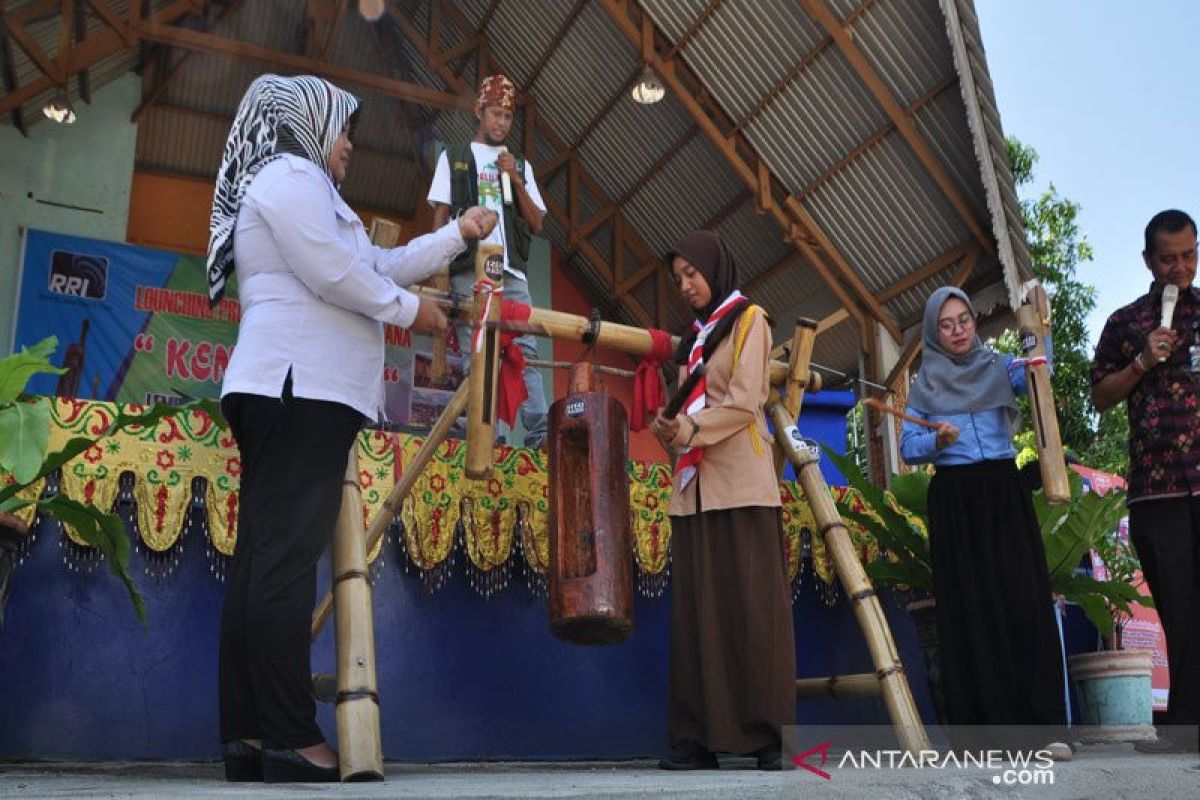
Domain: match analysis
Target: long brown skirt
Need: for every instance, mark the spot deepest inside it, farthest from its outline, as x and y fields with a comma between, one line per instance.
x=732, y=682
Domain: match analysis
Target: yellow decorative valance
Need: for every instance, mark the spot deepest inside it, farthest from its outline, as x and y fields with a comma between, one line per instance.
x=489, y=519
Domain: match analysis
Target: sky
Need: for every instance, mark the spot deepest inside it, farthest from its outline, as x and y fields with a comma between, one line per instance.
x=1108, y=93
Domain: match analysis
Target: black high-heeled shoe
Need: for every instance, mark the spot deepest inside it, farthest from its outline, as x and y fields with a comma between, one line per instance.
x=288, y=766
x=243, y=762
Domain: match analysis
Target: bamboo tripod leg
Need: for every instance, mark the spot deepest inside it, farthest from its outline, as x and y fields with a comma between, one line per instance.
x=412, y=471
x=893, y=684
x=360, y=753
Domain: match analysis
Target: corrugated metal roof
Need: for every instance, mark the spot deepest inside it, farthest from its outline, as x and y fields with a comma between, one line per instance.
x=771, y=69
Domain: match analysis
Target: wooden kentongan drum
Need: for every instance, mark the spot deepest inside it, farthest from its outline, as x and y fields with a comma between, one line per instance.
x=590, y=574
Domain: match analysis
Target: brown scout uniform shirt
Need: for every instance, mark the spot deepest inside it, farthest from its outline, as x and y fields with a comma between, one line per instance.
x=737, y=469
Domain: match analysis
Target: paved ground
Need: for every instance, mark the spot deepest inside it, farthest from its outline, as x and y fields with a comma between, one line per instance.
x=1115, y=772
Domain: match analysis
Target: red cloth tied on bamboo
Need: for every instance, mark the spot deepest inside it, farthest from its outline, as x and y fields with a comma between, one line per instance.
x=648, y=395
x=512, y=393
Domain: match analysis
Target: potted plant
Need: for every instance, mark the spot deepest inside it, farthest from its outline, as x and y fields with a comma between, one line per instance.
x=24, y=441
x=1113, y=685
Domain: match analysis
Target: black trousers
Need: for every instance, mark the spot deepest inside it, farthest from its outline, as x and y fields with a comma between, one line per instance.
x=293, y=454
x=1166, y=536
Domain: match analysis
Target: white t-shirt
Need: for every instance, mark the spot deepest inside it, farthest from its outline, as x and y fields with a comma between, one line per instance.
x=489, y=190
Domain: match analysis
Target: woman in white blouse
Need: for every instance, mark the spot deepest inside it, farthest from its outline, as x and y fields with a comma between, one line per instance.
x=308, y=367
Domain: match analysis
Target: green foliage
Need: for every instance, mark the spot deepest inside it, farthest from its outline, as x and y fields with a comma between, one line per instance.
x=24, y=439
x=17, y=369
x=1122, y=566
x=905, y=542
x=1068, y=532
x=1109, y=450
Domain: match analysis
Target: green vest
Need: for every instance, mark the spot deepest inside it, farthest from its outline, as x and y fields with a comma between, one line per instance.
x=464, y=193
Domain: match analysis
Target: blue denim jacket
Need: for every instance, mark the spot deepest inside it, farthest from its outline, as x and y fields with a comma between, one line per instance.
x=982, y=436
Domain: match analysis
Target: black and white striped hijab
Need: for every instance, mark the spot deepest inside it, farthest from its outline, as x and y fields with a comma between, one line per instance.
x=302, y=116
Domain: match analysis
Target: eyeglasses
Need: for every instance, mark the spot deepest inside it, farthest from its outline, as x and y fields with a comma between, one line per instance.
x=949, y=324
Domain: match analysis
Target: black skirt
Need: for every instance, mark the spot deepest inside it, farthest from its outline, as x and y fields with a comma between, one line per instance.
x=998, y=641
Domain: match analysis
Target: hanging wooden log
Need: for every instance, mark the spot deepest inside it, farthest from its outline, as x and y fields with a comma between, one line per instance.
x=590, y=575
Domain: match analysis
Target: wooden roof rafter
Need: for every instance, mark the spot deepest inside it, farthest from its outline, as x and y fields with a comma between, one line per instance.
x=795, y=221
x=116, y=37
x=820, y=11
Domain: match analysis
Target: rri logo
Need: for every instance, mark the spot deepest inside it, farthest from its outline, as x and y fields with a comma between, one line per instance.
x=78, y=275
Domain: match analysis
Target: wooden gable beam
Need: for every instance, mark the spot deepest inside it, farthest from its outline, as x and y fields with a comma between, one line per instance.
x=220, y=45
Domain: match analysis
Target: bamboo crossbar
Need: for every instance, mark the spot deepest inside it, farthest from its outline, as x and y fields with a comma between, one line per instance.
x=860, y=685
x=611, y=335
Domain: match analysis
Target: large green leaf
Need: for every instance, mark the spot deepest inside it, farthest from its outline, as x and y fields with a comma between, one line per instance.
x=24, y=435
x=892, y=530
x=17, y=369
x=104, y=531
x=1090, y=517
x=911, y=491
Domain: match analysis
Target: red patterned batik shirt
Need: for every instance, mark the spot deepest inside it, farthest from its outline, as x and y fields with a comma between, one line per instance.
x=1164, y=418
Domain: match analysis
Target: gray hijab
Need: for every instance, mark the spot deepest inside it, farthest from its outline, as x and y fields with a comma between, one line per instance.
x=949, y=384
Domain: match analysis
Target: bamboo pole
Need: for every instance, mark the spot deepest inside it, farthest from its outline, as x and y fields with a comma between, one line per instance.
x=437, y=366
x=796, y=378
x=360, y=752
x=889, y=670
x=412, y=471
x=1033, y=319
x=485, y=362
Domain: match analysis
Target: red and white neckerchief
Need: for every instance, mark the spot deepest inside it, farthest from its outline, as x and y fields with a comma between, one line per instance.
x=690, y=457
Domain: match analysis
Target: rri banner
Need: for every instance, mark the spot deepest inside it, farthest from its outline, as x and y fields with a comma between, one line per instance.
x=134, y=325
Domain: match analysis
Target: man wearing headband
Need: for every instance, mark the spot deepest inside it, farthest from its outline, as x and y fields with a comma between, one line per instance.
x=1149, y=356
x=488, y=172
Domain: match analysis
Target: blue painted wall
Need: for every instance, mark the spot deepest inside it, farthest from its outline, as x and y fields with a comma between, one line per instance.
x=460, y=677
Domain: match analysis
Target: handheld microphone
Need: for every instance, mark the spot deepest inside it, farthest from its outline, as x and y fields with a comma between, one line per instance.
x=1169, y=298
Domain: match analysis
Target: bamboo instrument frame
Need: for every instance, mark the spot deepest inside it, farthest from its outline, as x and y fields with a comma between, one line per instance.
x=360, y=751
x=795, y=378
x=889, y=670
x=1033, y=320
x=485, y=362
